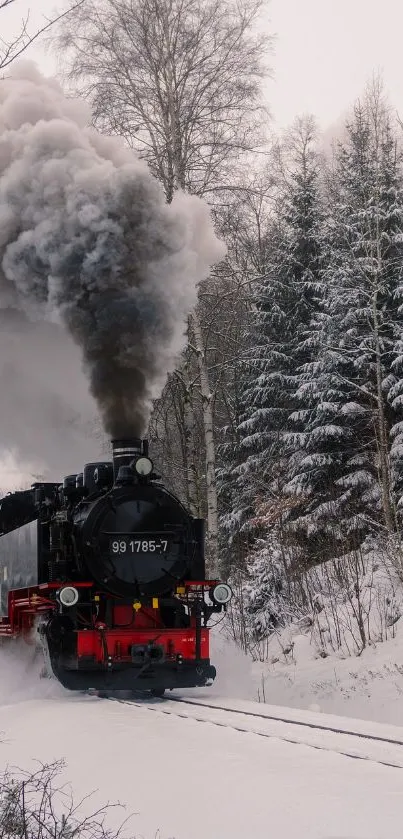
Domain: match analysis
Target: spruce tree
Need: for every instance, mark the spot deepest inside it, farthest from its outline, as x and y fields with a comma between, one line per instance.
x=344, y=473
x=286, y=301
x=248, y=236
x=264, y=590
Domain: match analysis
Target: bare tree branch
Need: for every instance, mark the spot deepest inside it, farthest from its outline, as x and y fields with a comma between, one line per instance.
x=180, y=80
x=34, y=805
x=11, y=50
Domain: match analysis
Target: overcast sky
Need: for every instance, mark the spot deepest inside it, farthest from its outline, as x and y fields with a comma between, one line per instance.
x=325, y=52
x=328, y=49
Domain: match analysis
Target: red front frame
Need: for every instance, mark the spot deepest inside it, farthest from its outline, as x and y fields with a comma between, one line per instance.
x=131, y=626
x=119, y=642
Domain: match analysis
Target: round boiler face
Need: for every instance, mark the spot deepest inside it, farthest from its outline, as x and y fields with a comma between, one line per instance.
x=142, y=542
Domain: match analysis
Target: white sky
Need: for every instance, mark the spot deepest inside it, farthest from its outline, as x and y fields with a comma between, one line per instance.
x=326, y=50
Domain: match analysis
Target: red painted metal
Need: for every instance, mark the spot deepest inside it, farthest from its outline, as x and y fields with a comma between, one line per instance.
x=130, y=626
x=117, y=643
x=23, y=605
x=55, y=586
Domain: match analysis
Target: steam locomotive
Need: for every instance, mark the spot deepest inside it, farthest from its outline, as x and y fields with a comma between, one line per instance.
x=106, y=572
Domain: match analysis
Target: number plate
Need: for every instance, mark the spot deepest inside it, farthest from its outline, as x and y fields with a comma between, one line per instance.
x=132, y=545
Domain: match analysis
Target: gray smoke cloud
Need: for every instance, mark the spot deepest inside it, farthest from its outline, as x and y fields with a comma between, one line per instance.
x=88, y=241
x=48, y=420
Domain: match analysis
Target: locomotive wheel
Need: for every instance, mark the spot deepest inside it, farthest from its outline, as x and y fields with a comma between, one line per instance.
x=157, y=692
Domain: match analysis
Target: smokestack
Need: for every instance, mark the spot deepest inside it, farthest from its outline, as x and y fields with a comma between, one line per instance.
x=123, y=452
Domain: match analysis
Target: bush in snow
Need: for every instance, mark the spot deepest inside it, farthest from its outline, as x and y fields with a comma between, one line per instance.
x=35, y=806
x=341, y=606
x=354, y=601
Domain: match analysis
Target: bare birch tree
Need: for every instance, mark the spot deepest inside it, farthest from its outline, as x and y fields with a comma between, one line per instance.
x=180, y=80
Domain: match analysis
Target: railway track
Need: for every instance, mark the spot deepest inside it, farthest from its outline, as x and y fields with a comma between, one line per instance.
x=289, y=721
x=380, y=749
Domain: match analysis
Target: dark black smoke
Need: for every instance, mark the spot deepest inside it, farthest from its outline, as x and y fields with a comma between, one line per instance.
x=86, y=239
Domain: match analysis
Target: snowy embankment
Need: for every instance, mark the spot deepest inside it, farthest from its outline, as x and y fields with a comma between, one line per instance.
x=191, y=772
x=369, y=686
x=343, y=653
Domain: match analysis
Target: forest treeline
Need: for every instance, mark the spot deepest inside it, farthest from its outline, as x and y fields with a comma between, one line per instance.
x=310, y=468
x=303, y=335
x=283, y=423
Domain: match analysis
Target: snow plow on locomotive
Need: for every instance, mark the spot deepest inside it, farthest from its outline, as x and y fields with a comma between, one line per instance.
x=106, y=573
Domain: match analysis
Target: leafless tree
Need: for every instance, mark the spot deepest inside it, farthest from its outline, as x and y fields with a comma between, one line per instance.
x=35, y=805
x=12, y=49
x=180, y=80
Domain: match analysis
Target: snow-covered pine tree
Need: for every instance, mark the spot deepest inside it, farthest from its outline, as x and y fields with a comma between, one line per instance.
x=286, y=300
x=343, y=472
x=264, y=591
x=247, y=231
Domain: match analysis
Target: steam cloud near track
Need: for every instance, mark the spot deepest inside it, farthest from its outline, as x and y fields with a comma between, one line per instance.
x=87, y=240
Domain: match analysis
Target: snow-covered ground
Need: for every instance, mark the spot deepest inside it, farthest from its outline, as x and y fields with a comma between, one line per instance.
x=188, y=779
x=368, y=686
x=189, y=772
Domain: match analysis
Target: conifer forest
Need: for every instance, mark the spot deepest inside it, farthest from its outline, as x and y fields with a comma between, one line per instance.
x=282, y=424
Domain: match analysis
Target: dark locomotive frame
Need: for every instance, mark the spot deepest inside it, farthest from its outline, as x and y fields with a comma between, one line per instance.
x=109, y=619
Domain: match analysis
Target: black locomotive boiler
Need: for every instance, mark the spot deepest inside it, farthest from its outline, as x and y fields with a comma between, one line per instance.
x=107, y=572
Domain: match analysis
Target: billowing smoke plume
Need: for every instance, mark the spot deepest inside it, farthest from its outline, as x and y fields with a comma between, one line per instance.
x=86, y=239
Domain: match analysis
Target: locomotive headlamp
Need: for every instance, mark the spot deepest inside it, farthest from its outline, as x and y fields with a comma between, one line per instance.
x=67, y=596
x=143, y=466
x=221, y=594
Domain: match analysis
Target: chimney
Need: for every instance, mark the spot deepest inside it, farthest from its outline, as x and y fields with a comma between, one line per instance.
x=124, y=451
